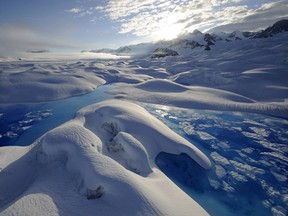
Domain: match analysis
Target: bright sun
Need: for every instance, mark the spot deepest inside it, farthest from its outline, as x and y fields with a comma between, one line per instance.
x=168, y=29
x=169, y=32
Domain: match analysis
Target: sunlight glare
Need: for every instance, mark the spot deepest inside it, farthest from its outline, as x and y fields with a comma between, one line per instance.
x=168, y=29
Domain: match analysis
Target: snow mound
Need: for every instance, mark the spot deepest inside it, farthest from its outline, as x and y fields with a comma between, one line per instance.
x=39, y=81
x=158, y=85
x=101, y=161
x=167, y=92
x=167, y=86
x=117, y=116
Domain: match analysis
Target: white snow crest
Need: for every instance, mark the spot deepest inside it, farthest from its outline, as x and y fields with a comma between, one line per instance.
x=133, y=119
x=106, y=153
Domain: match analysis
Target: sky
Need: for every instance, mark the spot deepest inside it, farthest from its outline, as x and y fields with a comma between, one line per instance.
x=75, y=25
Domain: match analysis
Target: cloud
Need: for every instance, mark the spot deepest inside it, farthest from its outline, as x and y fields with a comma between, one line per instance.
x=223, y=2
x=168, y=18
x=266, y=15
x=75, y=10
x=67, y=56
x=18, y=38
x=274, y=10
x=152, y=18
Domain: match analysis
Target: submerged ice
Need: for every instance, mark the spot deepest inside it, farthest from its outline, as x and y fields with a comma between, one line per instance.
x=248, y=153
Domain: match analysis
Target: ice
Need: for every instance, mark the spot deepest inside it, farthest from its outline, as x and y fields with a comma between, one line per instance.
x=260, y=131
x=279, y=177
x=253, y=135
x=214, y=183
x=277, y=147
x=236, y=176
x=219, y=159
x=246, y=169
x=249, y=121
x=266, y=204
x=26, y=128
x=220, y=171
x=248, y=150
x=14, y=129
x=11, y=134
x=279, y=211
x=276, y=155
x=188, y=128
x=227, y=187
x=205, y=136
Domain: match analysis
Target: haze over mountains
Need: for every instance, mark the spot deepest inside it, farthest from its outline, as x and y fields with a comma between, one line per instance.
x=187, y=41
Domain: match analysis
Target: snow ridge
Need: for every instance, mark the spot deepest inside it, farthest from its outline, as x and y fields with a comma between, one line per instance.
x=109, y=152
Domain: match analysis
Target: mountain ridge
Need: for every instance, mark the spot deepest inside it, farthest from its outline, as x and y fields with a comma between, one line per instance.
x=191, y=40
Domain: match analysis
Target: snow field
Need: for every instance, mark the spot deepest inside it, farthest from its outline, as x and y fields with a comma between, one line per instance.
x=103, y=160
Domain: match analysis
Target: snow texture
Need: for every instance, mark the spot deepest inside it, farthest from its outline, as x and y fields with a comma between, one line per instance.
x=104, y=160
x=106, y=154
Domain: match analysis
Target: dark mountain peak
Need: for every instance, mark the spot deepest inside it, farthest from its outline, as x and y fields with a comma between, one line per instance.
x=191, y=40
x=209, y=39
x=196, y=31
x=189, y=35
x=278, y=27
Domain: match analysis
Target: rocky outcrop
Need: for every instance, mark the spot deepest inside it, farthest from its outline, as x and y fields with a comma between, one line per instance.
x=278, y=27
x=163, y=52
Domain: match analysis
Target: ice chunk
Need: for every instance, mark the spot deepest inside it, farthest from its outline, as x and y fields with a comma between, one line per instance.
x=205, y=136
x=219, y=159
x=11, y=134
x=260, y=131
x=278, y=211
x=188, y=128
x=220, y=171
x=236, y=176
x=278, y=176
x=214, y=183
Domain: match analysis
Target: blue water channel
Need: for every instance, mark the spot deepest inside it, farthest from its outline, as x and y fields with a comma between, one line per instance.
x=21, y=124
x=249, y=152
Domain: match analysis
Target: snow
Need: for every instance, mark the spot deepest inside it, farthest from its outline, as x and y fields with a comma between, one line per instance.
x=30, y=82
x=103, y=160
x=110, y=145
x=231, y=76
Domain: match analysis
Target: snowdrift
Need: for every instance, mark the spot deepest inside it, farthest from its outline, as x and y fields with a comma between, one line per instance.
x=166, y=92
x=101, y=162
x=37, y=82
